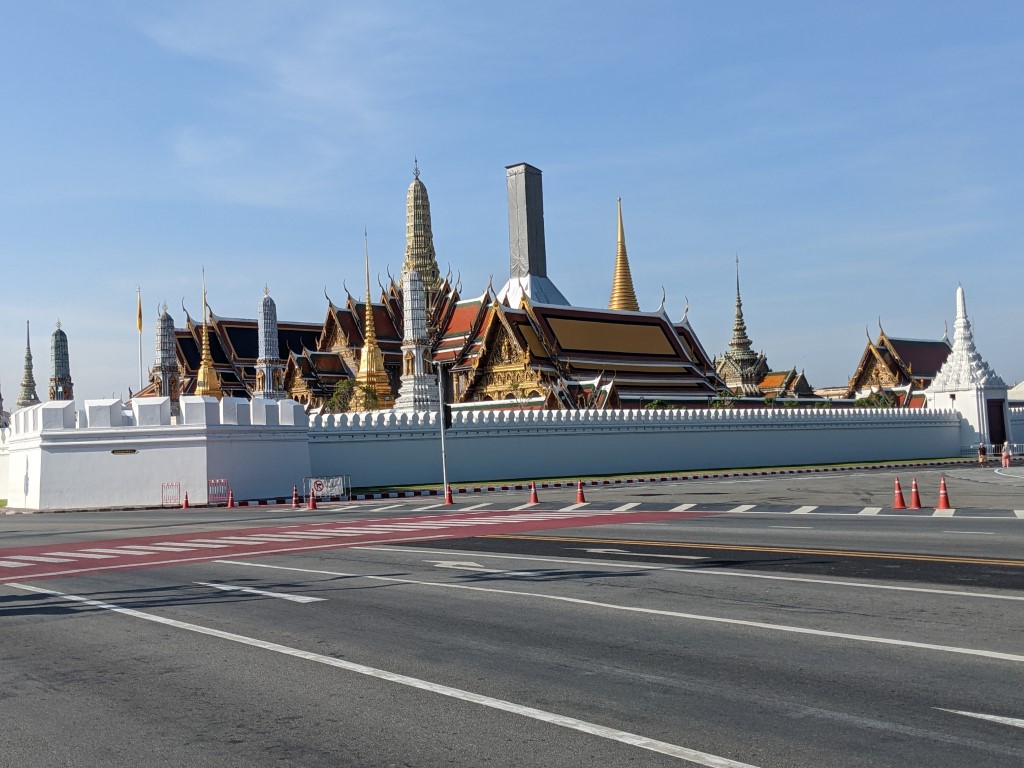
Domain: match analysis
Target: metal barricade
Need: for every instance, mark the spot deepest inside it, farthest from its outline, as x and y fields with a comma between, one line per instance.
x=217, y=491
x=170, y=494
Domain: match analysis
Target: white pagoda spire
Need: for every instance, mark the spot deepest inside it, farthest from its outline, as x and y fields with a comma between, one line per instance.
x=966, y=384
x=964, y=368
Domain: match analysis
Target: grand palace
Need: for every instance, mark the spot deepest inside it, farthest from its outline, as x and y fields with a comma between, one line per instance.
x=518, y=346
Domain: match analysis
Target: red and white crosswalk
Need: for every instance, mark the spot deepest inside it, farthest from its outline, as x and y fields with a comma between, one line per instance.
x=120, y=554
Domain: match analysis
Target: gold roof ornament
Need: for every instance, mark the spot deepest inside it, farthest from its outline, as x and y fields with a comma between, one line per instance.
x=623, y=295
x=371, y=376
x=207, y=380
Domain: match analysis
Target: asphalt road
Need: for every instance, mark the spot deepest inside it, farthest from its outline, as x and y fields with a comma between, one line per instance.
x=765, y=638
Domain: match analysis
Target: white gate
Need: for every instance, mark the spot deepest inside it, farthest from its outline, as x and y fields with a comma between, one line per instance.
x=170, y=494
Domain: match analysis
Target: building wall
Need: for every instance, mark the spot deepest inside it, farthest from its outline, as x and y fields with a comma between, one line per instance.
x=1017, y=425
x=381, y=448
x=106, y=457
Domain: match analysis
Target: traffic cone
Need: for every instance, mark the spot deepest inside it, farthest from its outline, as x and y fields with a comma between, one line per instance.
x=943, y=495
x=448, y=495
x=533, y=493
x=312, y=500
x=295, y=497
x=231, y=499
x=184, y=504
x=579, y=492
x=897, y=498
x=915, y=497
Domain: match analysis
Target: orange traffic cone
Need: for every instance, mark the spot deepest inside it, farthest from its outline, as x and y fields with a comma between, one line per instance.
x=533, y=493
x=943, y=495
x=184, y=504
x=579, y=492
x=448, y=495
x=915, y=497
x=295, y=497
x=312, y=500
x=231, y=499
x=897, y=499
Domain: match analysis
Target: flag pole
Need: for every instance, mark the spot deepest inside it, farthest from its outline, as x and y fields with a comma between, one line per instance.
x=138, y=325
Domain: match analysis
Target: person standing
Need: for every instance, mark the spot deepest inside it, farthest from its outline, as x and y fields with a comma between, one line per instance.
x=982, y=454
x=1007, y=454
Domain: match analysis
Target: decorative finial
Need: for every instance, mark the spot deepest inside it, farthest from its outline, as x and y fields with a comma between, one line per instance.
x=164, y=307
x=415, y=168
x=266, y=289
x=58, y=323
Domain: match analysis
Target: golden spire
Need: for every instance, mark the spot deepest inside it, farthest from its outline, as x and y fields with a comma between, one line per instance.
x=207, y=380
x=623, y=295
x=371, y=375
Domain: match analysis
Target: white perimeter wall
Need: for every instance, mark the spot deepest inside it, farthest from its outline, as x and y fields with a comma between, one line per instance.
x=105, y=457
x=384, y=448
x=1017, y=425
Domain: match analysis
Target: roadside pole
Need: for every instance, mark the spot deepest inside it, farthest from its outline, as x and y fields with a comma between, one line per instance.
x=444, y=458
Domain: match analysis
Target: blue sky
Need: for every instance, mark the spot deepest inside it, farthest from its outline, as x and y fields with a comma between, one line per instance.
x=861, y=158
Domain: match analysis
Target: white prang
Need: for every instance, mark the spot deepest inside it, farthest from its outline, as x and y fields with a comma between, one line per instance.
x=965, y=383
x=964, y=368
x=417, y=390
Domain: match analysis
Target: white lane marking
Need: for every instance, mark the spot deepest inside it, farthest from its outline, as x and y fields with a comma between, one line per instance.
x=741, y=508
x=475, y=506
x=261, y=592
x=870, y=511
x=794, y=527
x=577, y=505
x=975, y=533
x=658, y=612
x=119, y=551
x=202, y=545
x=381, y=509
x=207, y=557
x=39, y=559
x=613, y=734
x=943, y=513
x=523, y=506
x=627, y=507
x=12, y=564
x=1014, y=721
x=803, y=510
x=682, y=507
x=690, y=572
x=154, y=548
x=1019, y=512
x=86, y=555
x=459, y=565
x=429, y=506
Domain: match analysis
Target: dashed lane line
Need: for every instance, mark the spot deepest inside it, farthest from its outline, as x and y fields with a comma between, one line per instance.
x=742, y=508
x=870, y=511
x=1000, y=655
x=262, y=592
x=693, y=756
x=753, y=548
x=803, y=510
x=1014, y=721
x=40, y=559
x=633, y=565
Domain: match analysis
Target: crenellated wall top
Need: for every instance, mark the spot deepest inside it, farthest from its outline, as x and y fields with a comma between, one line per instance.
x=489, y=420
x=155, y=412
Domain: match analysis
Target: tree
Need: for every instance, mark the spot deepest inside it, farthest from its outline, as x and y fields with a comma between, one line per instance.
x=881, y=399
x=343, y=393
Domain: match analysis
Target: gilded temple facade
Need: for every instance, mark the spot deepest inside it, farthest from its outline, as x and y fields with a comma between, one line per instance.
x=523, y=346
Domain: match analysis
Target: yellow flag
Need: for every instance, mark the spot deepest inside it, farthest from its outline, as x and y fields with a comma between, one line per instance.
x=138, y=315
